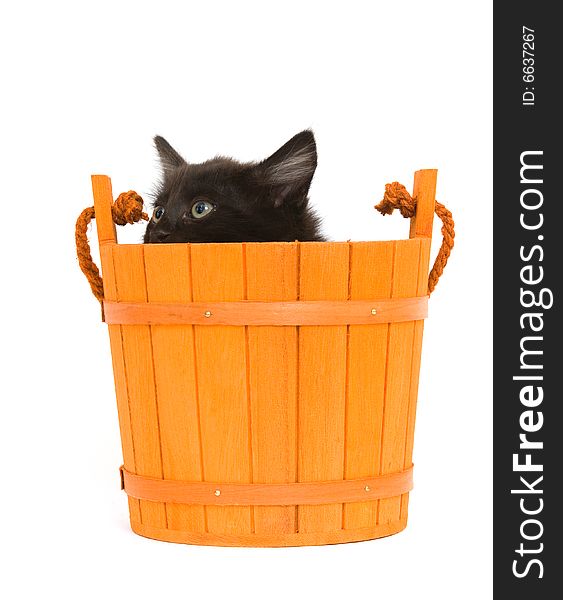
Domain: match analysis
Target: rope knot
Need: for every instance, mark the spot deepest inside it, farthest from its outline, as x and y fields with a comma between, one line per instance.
x=396, y=196
x=128, y=208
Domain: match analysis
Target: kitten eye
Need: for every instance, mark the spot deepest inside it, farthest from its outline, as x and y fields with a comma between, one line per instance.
x=157, y=214
x=201, y=209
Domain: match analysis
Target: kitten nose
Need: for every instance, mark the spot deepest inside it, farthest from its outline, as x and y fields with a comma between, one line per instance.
x=160, y=236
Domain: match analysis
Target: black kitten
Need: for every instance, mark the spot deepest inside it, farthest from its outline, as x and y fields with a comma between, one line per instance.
x=222, y=200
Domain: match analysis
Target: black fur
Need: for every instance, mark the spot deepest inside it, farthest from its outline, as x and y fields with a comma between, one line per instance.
x=252, y=202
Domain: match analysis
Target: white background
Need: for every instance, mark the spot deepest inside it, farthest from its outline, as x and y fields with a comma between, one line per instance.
x=388, y=87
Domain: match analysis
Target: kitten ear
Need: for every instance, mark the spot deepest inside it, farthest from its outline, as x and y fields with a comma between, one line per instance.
x=169, y=158
x=289, y=171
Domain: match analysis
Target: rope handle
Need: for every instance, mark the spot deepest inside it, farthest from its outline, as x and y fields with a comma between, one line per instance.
x=397, y=196
x=128, y=208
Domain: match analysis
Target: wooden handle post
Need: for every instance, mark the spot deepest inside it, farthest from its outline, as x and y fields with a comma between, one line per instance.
x=424, y=190
x=103, y=199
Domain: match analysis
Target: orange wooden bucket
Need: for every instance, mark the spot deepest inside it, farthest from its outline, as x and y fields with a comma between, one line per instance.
x=267, y=391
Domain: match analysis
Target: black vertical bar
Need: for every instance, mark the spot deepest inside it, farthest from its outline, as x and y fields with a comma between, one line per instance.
x=528, y=268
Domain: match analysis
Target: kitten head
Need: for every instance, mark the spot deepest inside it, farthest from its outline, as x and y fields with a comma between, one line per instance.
x=222, y=200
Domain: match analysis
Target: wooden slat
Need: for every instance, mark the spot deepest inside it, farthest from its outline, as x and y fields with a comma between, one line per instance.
x=218, y=275
x=137, y=353
x=422, y=286
x=397, y=381
x=118, y=362
x=167, y=268
x=371, y=268
x=272, y=274
x=424, y=190
x=107, y=238
x=322, y=382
